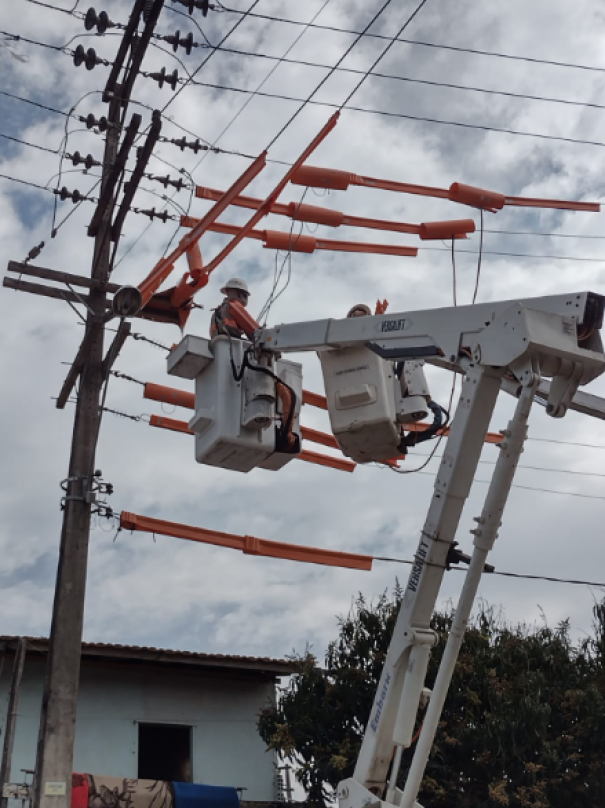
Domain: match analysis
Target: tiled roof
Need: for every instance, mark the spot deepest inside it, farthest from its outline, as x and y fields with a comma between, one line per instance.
x=279, y=667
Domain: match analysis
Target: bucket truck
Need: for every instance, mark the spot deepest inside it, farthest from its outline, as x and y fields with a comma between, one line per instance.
x=542, y=348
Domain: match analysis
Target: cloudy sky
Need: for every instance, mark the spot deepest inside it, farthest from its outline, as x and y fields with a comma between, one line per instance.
x=173, y=594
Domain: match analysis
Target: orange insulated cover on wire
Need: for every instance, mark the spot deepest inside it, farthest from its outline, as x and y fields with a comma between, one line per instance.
x=439, y=230
x=251, y=545
x=476, y=197
x=277, y=240
x=323, y=178
x=315, y=215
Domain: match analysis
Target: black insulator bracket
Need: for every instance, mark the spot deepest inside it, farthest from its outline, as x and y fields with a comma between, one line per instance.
x=99, y=21
x=75, y=196
x=177, y=41
x=89, y=161
x=162, y=78
x=190, y=5
x=167, y=180
x=88, y=57
x=101, y=123
x=153, y=214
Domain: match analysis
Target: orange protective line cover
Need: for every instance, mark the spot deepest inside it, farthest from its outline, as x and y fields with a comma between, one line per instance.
x=337, y=180
x=491, y=437
x=181, y=398
x=247, y=544
x=169, y=395
x=313, y=214
x=265, y=208
x=165, y=265
x=315, y=400
x=560, y=204
x=283, y=240
x=326, y=460
x=312, y=435
x=170, y=423
x=315, y=436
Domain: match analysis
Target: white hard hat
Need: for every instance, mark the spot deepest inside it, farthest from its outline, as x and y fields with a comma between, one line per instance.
x=359, y=308
x=236, y=283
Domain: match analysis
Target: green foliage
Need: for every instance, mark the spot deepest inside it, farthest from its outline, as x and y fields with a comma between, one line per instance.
x=523, y=724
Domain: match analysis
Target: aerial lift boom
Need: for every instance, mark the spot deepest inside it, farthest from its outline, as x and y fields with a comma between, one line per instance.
x=515, y=343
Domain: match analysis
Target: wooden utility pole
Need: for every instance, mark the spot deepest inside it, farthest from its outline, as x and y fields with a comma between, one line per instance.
x=54, y=762
x=58, y=719
x=11, y=718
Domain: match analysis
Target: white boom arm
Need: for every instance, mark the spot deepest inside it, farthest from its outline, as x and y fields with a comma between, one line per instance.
x=523, y=341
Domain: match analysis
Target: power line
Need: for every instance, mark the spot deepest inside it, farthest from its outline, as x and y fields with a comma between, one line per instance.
x=175, y=218
x=419, y=43
x=364, y=110
x=327, y=76
x=527, y=576
x=533, y=488
x=384, y=52
x=405, y=116
x=372, y=73
x=35, y=104
x=278, y=61
x=71, y=12
x=31, y=145
x=529, y=468
x=568, y=443
x=550, y=235
x=516, y=255
x=211, y=54
x=408, y=79
x=86, y=198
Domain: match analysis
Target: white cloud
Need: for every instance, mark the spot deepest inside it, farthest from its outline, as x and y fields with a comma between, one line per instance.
x=177, y=594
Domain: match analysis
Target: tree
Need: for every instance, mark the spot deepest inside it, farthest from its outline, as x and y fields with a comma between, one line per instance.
x=523, y=724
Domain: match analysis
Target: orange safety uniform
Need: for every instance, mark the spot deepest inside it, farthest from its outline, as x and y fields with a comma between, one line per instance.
x=223, y=323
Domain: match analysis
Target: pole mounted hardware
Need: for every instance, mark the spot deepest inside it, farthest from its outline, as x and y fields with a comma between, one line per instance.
x=176, y=41
x=99, y=21
x=130, y=188
x=114, y=174
x=162, y=78
x=89, y=490
x=127, y=302
x=101, y=123
x=75, y=195
x=89, y=161
x=190, y=5
x=88, y=57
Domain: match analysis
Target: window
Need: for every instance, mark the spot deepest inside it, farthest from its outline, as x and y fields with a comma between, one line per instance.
x=165, y=752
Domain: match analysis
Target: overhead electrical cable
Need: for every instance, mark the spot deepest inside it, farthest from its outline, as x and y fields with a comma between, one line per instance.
x=249, y=101
x=404, y=116
x=394, y=77
x=495, y=54
x=308, y=100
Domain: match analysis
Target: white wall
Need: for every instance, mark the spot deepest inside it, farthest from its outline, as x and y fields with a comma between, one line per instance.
x=114, y=698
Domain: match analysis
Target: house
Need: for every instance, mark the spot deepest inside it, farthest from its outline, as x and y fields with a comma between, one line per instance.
x=158, y=714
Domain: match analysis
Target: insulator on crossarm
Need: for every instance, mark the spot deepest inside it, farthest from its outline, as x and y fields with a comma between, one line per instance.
x=162, y=78
x=203, y=5
x=147, y=9
x=34, y=252
x=90, y=121
x=153, y=214
x=167, y=180
x=183, y=144
x=87, y=57
x=99, y=21
x=89, y=161
x=176, y=41
x=75, y=196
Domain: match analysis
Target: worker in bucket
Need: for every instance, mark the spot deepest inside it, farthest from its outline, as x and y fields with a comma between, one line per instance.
x=359, y=310
x=222, y=320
